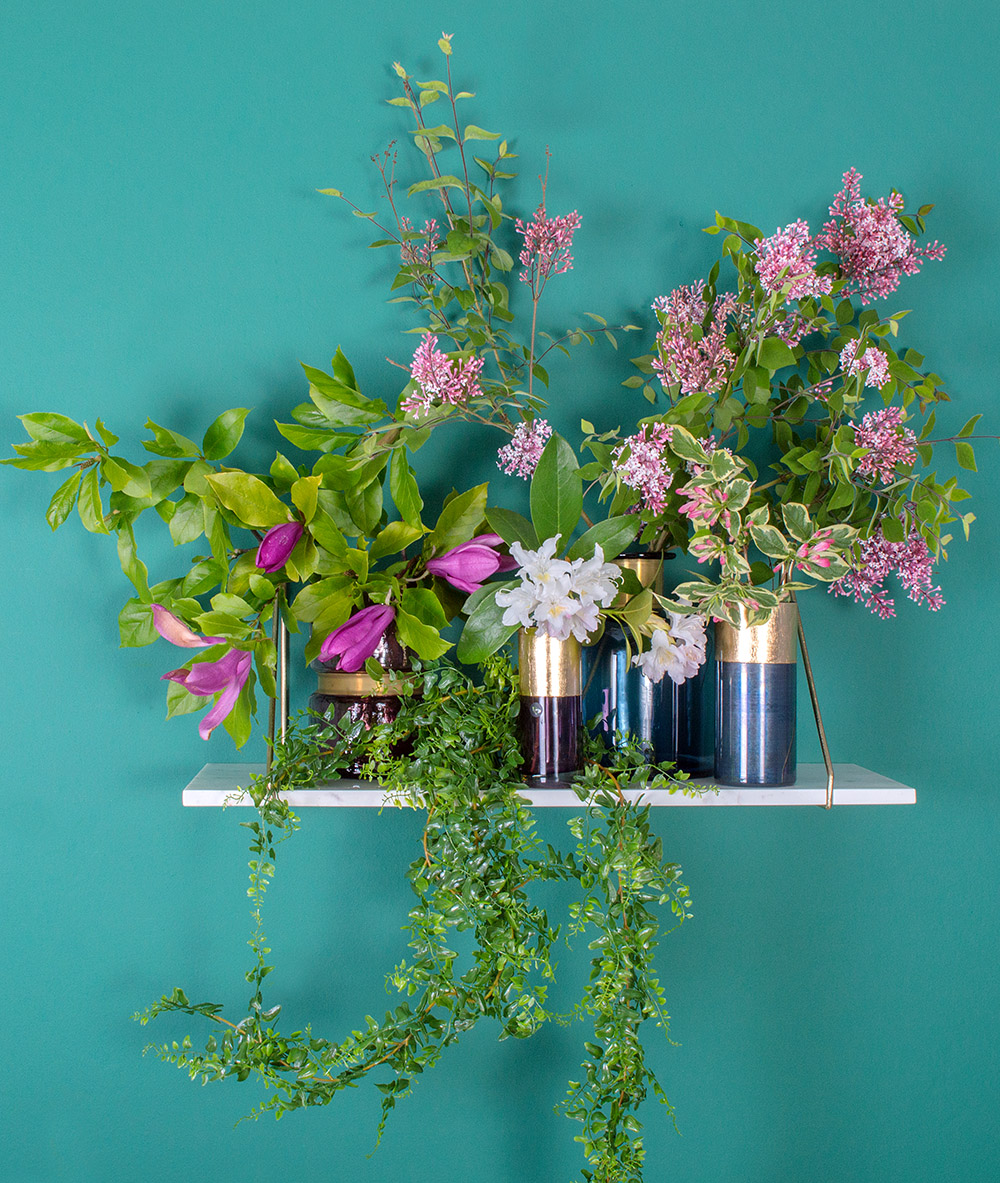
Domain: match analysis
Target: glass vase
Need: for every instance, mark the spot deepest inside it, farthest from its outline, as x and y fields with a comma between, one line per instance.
x=551, y=714
x=357, y=696
x=755, y=713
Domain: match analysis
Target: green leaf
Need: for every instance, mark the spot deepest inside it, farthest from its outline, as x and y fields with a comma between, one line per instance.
x=394, y=538
x=305, y=495
x=422, y=603
x=446, y=182
x=797, y=521
x=49, y=427
x=613, y=535
x=892, y=530
x=966, y=456
x=224, y=433
x=188, y=520
x=168, y=443
x=774, y=354
x=769, y=540
x=512, y=527
x=365, y=506
x=760, y=573
x=403, y=488
x=970, y=427
x=89, y=505
x=131, y=564
x=484, y=631
x=459, y=520
x=135, y=624
x=477, y=133
x=422, y=638
x=125, y=477
x=63, y=500
x=249, y=499
x=556, y=492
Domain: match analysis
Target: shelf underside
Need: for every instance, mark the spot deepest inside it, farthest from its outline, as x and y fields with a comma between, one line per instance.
x=222, y=784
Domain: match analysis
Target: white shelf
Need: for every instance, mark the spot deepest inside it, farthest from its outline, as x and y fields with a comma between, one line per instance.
x=222, y=784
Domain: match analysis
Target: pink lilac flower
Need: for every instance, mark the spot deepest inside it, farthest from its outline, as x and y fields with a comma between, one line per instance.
x=441, y=381
x=792, y=328
x=873, y=363
x=225, y=677
x=470, y=564
x=277, y=544
x=413, y=251
x=546, y=246
x=820, y=390
x=875, y=250
x=788, y=257
x=358, y=637
x=520, y=457
x=888, y=441
x=689, y=354
x=911, y=561
x=647, y=470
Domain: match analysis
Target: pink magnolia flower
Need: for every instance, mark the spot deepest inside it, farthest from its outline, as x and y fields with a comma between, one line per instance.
x=875, y=250
x=441, y=381
x=358, y=637
x=889, y=443
x=647, y=469
x=520, y=457
x=277, y=544
x=177, y=632
x=789, y=257
x=470, y=564
x=873, y=363
x=546, y=246
x=225, y=677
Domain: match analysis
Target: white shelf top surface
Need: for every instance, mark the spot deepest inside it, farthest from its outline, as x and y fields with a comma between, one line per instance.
x=223, y=784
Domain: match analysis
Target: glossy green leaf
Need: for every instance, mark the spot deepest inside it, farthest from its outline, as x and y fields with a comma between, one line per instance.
x=613, y=535
x=249, y=499
x=224, y=433
x=458, y=522
x=556, y=495
x=63, y=500
x=89, y=504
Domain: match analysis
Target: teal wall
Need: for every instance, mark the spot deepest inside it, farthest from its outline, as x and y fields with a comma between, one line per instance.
x=163, y=252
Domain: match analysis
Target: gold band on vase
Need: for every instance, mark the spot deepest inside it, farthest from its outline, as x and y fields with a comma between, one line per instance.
x=771, y=643
x=548, y=668
x=648, y=569
x=340, y=685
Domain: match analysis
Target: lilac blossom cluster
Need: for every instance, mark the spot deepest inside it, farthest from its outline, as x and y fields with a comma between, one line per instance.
x=409, y=251
x=911, y=561
x=873, y=363
x=889, y=443
x=677, y=650
x=874, y=249
x=520, y=457
x=788, y=257
x=546, y=246
x=440, y=380
x=557, y=597
x=646, y=469
x=688, y=353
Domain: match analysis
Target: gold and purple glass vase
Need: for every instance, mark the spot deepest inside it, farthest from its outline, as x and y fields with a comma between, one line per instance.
x=551, y=713
x=755, y=713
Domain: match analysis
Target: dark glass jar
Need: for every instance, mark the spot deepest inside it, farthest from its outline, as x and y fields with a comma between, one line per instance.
x=358, y=697
x=755, y=716
x=551, y=715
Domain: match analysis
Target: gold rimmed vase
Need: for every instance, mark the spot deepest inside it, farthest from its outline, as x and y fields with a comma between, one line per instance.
x=755, y=712
x=551, y=714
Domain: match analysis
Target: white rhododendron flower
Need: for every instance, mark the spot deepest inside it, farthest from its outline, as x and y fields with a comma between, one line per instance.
x=678, y=650
x=558, y=597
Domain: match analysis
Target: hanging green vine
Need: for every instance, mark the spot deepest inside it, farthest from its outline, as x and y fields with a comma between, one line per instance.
x=453, y=752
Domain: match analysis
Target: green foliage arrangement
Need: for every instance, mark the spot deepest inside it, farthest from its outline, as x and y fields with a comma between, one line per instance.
x=479, y=860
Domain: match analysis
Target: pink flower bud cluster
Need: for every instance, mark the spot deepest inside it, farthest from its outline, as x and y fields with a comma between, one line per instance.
x=873, y=363
x=647, y=469
x=889, y=444
x=410, y=251
x=814, y=551
x=520, y=457
x=689, y=354
x=911, y=561
x=546, y=246
x=704, y=507
x=789, y=257
x=875, y=250
x=441, y=381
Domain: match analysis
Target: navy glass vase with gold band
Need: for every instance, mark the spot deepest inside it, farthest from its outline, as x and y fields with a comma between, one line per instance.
x=551, y=715
x=670, y=722
x=755, y=711
x=357, y=696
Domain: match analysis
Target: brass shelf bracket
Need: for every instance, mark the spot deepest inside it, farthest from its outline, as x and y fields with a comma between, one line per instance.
x=817, y=714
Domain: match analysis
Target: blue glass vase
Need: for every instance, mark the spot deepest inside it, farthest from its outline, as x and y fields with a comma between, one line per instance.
x=755, y=712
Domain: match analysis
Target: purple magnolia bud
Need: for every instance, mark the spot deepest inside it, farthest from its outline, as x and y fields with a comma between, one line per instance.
x=228, y=675
x=358, y=637
x=470, y=564
x=277, y=544
x=177, y=632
